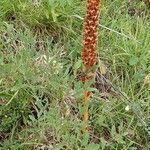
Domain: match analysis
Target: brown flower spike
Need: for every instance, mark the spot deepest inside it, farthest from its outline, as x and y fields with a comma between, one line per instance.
x=89, y=45
x=90, y=33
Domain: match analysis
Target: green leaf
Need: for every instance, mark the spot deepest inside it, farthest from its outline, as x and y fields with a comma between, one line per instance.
x=78, y=64
x=54, y=15
x=47, y=14
x=103, y=143
x=85, y=139
x=93, y=146
x=133, y=61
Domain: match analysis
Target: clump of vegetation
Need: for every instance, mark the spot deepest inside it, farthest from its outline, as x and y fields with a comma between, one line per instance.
x=40, y=91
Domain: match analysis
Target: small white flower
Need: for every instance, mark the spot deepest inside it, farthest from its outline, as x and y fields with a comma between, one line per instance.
x=127, y=108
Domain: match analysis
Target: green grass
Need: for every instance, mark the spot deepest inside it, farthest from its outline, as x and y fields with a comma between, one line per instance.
x=40, y=96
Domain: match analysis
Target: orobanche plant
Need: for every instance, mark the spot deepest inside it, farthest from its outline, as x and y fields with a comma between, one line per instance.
x=91, y=22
